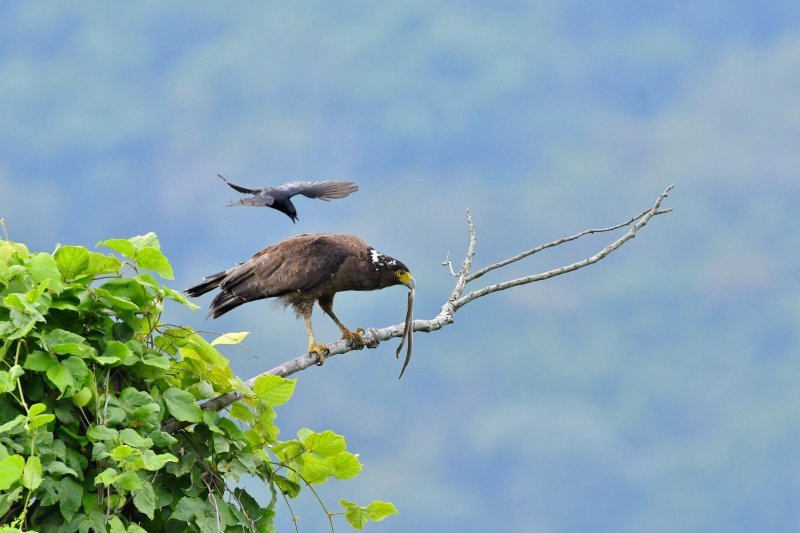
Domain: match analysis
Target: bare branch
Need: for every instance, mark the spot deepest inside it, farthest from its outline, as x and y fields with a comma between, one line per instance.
x=374, y=336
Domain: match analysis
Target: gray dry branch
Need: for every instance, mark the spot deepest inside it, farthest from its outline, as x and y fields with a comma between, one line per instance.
x=457, y=299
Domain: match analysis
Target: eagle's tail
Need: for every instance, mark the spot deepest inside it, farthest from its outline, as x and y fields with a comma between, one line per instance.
x=209, y=283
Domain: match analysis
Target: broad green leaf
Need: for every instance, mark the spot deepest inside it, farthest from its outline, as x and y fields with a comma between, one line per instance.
x=128, y=481
x=152, y=259
x=156, y=360
x=182, y=406
x=115, y=352
x=35, y=418
x=120, y=303
x=145, y=500
x=42, y=267
x=287, y=486
x=230, y=338
x=7, y=382
x=59, y=469
x=122, y=246
x=346, y=465
x=8, y=426
x=153, y=461
x=61, y=378
x=11, y=470
x=82, y=397
x=133, y=528
x=287, y=451
x=142, y=241
x=71, y=261
x=241, y=412
x=273, y=390
x=115, y=525
x=6, y=501
x=77, y=368
x=356, y=516
x=66, y=342
x=325, y=444
x=131, y=437
x=32, y=473
x=317, y=469
x=121, y=452
x=106, y=477
x=180, y=298
x=188, y=508
x=70, y=494
x=102, y=264
x=379, y=510
x=101, y=433
x=39, y=361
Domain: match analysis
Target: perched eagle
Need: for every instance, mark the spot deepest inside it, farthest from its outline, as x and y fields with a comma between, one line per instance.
x=280, y=197
x=309, y=268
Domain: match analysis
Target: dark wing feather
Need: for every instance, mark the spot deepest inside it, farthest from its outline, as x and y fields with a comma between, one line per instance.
x=295, y=265
x=322, y=190
x=261, y=200
x=235, y=187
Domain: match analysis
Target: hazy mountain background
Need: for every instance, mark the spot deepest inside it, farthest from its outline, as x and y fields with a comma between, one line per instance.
x=655, y=391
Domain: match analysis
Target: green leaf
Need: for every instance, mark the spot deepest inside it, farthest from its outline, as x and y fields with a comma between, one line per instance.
x=121, y=452
x=115, y=352
x=131, y=437
x=35, y=418
x=72, y=261
x=287, y=486
x=142, y=241
x=128, y=481
x=379, y=510
x=66, y=342
x=101, y=433
x=230, y=338
x=106, y=477
x=274, y=390
x=356, y=516
x=6, y=501
x=115, y=525
x=241, y=412
x=182, y=406
x=11, y=470
x=82, y=397
x=145, y=500
x=8, y=426
x=325, y=444
x=316, y=469
x=152, y=259
x=61, y=377
x=346, y=465
x=42, y=267
x=59, y=469
x=188, y=508
x=77, y=368
x=32, y=473
x=122, y=246
x=39, y=361
x=70, y=494
x=153, y=461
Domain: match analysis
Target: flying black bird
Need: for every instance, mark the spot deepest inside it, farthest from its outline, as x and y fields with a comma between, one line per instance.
x=280, y=197
x=309, y=268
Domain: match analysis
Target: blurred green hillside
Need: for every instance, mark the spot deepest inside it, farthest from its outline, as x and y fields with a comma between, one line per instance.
x=654, y=391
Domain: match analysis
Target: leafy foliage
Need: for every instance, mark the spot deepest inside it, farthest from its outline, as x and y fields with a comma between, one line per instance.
x=89, y=375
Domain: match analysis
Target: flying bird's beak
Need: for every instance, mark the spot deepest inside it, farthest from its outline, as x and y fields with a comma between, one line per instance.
x=406, y=279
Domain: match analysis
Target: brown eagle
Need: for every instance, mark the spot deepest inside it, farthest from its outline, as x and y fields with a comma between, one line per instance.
x=309, y=268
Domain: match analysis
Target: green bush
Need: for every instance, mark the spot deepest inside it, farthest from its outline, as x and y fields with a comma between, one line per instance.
x=89, y=375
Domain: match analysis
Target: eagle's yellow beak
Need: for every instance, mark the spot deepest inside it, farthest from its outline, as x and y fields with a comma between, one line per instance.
x=406, y=279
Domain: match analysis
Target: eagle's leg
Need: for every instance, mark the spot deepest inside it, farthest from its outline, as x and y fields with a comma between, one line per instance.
x=319, y=349
x=326, y=303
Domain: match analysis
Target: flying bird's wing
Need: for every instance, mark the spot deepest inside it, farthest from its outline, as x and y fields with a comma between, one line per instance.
x=235, y=187
x=260, y=200
x=322, y=190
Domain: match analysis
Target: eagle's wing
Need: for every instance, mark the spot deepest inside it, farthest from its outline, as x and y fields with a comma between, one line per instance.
x=295, y=265
x=322, y=190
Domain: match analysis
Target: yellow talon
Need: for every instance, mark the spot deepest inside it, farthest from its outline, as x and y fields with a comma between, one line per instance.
x=320, y=350
x=354, y=336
